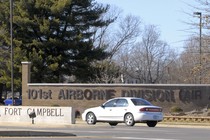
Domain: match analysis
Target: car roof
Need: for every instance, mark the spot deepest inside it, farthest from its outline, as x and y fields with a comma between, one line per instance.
x=127, y=98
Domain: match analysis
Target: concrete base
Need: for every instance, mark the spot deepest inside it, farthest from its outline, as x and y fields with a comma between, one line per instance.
x=37, y=114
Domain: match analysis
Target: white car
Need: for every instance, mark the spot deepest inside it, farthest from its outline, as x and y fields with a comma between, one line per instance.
x=129, y=110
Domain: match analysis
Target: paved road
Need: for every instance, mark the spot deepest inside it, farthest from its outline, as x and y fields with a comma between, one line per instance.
x=105, y=132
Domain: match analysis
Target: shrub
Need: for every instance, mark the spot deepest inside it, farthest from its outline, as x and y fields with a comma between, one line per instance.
x=77, y=114
x=176, y=109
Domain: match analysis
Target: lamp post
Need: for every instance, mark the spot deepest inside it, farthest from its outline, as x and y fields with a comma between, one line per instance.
x=12, y=53
x=200, y=39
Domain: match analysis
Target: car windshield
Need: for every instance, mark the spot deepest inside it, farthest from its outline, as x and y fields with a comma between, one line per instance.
x=140, y=102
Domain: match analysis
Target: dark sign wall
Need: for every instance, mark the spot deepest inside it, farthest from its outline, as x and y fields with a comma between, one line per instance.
x=82, y=96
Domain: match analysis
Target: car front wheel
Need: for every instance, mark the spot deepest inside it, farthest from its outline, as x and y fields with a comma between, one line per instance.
x=91, y=118
x=129, y=120
x=151, y=123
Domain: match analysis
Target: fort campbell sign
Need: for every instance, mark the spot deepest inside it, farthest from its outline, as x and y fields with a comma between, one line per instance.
x=82, y=96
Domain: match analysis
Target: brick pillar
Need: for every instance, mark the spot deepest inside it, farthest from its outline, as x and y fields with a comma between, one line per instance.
x=26, y=78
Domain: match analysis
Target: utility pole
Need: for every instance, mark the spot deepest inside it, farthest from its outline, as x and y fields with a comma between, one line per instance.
x=200, y=42
x=12, y=53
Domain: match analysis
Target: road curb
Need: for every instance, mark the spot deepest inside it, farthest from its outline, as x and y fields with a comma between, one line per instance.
x=33, y=134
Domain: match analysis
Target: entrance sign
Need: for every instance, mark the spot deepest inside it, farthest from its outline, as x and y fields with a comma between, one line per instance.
x=81, y=96
x=51, y=115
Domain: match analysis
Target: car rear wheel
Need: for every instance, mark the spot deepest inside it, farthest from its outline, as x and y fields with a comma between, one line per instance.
x=151, y=123
x=91, y=118
x=113, y=123
x=129, y=120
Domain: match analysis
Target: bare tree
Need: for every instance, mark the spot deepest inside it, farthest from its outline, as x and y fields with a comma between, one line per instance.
x=193, y=63
x=106, y=72
x=126, y=34
x=194, y=67
x=122, y=32
x=149, y=58
x=114, y=38
x=101, y=36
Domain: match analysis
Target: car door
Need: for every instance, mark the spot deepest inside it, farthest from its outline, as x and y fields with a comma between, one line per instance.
x=118, y=111
x=106, y=110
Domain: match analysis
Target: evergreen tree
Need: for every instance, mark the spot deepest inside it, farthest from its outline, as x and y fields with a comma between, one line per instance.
x=56, y=36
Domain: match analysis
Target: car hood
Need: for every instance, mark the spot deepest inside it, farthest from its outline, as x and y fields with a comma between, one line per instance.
x=92, y=109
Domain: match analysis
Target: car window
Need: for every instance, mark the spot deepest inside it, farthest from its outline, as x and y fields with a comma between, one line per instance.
x=140, y=102
x=121, y=103
x=111, y=103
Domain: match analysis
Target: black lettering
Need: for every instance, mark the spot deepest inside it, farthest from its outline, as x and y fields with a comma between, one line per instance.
x=161, y=95
x=110, y=94
x=88, y=94
x=181, y=95
x=39, y=112
x=13, y=111
x=53, y=112
x=143, y=94
x=50, y=94
x=103, y=95
x=185, y=95
x=71, y=94
x=17, y=111
x=96, y=94
x=99, y=94
x=29, y=111
x=61, y=113
x=48, y=112
x=79, y=95
x=34, y=94
x=154, y=96
x=198, y=94
x=132, y=93
x=169, y=96
x=148, y=95
x=39, y=92
x=44, y=111
x=124, y=93
x=29, y=93
x=61, y=95
x=172, y=96
x=45, y=95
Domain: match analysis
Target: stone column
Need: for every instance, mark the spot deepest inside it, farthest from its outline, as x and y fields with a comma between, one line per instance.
x=26, y=78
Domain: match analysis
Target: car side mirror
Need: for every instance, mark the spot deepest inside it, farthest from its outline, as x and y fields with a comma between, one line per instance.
x=102, y=106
